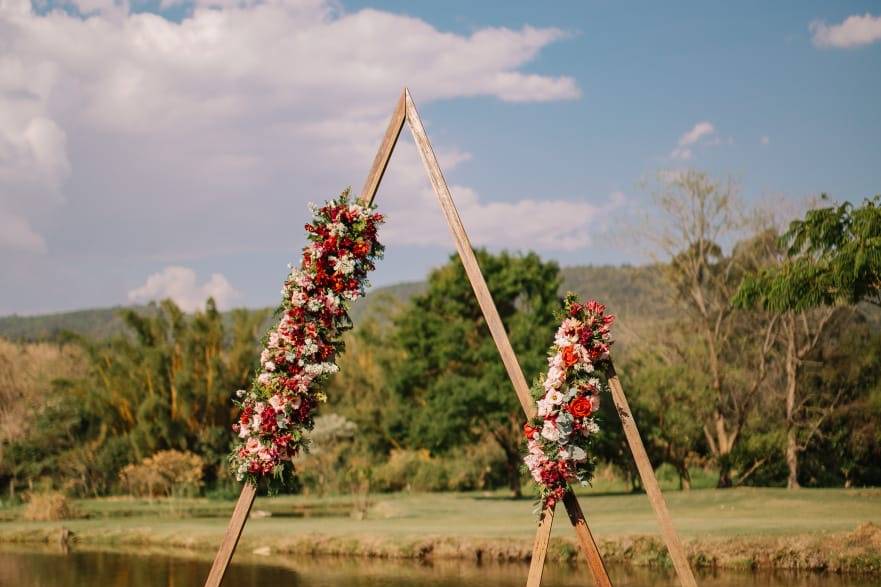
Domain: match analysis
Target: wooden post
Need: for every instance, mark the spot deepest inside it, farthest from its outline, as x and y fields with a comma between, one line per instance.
x=650, y=483
x=493, y=321
x=233, y=533
x=540, y=548
x=389, y=140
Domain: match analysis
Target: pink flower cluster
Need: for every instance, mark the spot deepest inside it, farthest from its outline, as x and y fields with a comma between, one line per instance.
x=300, y=351
x=559, y=438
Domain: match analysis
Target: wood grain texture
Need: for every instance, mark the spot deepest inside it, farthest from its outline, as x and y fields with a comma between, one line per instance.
x=494, y=322
x=650, y=483
x=588, y=544
x=384, y=154
x=233, y=533
x=540, y=548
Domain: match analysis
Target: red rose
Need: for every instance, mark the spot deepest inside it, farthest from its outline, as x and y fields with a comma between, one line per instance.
x=529, y=431
x=580, y=407
x=570, y=357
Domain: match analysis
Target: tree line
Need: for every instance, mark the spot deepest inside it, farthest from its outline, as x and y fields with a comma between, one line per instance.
x=766, y=370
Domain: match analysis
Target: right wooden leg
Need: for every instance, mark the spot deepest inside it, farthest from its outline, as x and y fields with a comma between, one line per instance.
x=588, y=545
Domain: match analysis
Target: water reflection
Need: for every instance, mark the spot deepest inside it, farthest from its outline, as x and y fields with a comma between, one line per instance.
x=47, y=568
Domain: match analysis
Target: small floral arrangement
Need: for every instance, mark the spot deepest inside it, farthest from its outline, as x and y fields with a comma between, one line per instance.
x=560, y=437
x=300, y=351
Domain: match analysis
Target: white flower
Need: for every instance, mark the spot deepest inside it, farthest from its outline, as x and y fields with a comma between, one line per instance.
x=544, y=407
x=316, y=369
x=578, y=454
x=313, y=305
x=554, y=397
x=309, y=347
x=549, y=431
x=554, y=379
x=240, y=393
x=269, y=366
x=263, y=379
x=344, y=265
x=590, y=427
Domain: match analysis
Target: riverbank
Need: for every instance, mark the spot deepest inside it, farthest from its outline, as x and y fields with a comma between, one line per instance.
x=822, y=530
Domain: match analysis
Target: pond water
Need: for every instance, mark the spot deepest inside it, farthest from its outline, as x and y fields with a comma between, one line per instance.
x=46, y=568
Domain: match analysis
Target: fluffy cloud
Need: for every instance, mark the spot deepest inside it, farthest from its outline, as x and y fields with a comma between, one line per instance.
x=854, y=31
x=181, y=285
x=154, y=142
x=687, y=141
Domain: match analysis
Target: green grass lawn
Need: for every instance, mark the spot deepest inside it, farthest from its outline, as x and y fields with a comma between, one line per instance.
x=737, y=528
x=699, y=513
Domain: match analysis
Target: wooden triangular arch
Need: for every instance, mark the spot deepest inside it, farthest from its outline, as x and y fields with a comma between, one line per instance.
x=405, y=112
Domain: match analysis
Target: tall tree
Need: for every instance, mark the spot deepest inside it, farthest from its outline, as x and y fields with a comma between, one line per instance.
x=829, y=259
x=697, y=217
x=451, y=386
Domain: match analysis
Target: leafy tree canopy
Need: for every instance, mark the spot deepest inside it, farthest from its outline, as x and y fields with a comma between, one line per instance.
x=833, y=256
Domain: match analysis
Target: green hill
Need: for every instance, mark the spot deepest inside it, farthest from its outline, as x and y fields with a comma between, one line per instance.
x=629, y=291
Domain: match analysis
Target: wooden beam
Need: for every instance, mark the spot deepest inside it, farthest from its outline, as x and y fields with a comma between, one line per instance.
x=588, y=544
x=650, y=483
x=249, y=492
x=491, y=315
x=469, y=261
x=233, y=533
x=540, y=548
x=380, y=162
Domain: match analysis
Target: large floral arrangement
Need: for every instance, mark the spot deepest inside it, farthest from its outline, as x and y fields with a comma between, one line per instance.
x=559, y=438
x=300, y=351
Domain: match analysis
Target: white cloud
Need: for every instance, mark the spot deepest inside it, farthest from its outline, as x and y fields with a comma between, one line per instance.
x=765, y=140
x=854, y=31
x=181, y=285
x=227, y=102
x=683, y=150
x=138, y=139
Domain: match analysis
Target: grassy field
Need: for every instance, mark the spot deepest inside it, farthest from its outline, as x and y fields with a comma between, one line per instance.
x=740, y=527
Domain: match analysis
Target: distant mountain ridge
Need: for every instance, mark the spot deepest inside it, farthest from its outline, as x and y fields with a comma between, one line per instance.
x=629, y=291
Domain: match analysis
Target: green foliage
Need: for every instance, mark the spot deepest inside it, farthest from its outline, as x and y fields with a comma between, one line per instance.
x=450, y=385
x=670, y=396
x=165, y=386
x=833, y=256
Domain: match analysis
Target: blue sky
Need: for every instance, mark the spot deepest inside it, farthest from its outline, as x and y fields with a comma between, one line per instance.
x=173, y=153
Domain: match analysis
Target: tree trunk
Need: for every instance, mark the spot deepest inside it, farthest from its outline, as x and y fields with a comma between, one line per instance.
x=792, y=460
x=684, y=477
x=725, y=479
x=791, y=391
x=513, y=467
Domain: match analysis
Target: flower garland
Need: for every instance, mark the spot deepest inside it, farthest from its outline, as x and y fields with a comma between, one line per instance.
x=300, y=351
x=560, y=437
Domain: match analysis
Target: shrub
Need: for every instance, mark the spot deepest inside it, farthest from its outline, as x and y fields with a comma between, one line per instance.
x=49, y=506
x=166, y=473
